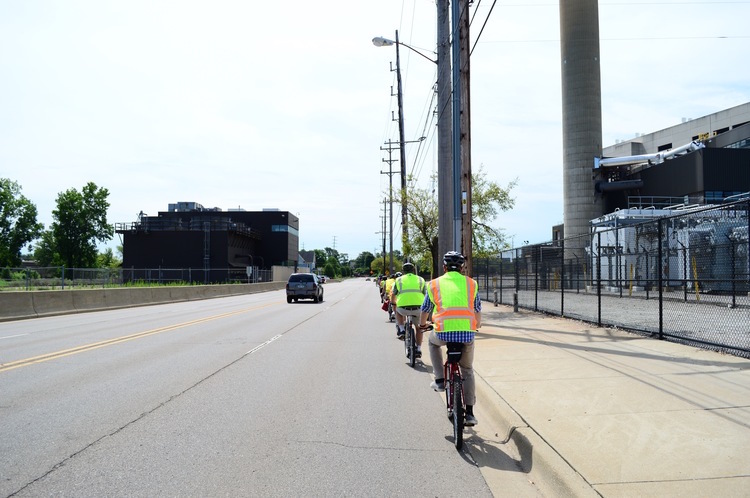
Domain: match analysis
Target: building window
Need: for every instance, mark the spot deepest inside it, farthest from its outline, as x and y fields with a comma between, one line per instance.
x=285, y=228
x=664, y=147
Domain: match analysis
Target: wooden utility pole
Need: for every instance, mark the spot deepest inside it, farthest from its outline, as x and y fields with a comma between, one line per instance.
x=461, y=130
x=444, y=118
x=391, y=147
x=465, y=120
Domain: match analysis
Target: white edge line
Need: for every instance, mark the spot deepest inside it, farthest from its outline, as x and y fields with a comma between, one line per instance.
x=11, y=336
x=256, y=348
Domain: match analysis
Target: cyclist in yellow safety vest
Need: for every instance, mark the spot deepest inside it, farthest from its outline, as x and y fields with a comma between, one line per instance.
x=408, y=295
x=456, y=315
x=389, y=285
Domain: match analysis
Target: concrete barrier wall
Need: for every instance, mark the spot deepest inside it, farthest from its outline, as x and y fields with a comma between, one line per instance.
x=16, y=305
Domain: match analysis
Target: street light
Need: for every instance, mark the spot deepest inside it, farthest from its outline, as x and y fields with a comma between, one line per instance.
x=379, y=41
x=445, y=206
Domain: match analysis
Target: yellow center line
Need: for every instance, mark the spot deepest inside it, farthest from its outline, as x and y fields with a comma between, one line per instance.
x=118, y=340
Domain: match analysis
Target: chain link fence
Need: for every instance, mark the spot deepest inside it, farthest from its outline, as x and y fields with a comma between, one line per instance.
x=683, y=277
x=60, y=277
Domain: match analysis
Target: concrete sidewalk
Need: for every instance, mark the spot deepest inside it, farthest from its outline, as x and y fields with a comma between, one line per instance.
x=597, y=411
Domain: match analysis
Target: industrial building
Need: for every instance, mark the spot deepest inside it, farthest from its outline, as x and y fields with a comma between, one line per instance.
x=700, y=161
x=694, y=176
x=210, y=241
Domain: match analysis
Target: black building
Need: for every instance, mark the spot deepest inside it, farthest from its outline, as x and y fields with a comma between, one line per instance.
x=209, y=242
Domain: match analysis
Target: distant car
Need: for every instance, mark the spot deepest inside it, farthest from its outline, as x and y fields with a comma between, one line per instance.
x=304, y=286
x=322, y=279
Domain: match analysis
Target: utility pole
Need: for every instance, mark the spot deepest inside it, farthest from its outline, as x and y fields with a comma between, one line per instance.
x=402, y=152
x=385, y=201
x=465, y=123
x=445, y=175
x=456, y=122
x=390, y=174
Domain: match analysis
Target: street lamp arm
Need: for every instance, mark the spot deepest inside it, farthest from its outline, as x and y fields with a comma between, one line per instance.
x=379, y=41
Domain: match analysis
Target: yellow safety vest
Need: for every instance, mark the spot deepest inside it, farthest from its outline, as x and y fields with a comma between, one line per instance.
x=453, y=295
x=411, y=289
x=389, y=286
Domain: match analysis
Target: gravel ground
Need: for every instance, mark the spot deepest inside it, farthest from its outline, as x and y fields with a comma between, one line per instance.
x=711, y=321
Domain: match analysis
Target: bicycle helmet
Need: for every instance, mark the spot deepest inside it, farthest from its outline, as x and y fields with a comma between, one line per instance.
x=453, y=260
x=408, y=267
x=398, y=274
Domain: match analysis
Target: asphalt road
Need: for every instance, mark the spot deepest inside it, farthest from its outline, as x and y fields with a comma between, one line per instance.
x=240, y=396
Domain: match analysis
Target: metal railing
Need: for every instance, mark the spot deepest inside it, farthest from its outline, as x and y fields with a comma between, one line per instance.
x=683, y=278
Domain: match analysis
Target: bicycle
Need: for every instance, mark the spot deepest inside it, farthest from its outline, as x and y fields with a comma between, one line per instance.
x=454, y=389
x=410, y=337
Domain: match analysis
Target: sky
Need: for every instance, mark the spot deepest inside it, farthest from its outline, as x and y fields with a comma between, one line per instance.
x=288, y=105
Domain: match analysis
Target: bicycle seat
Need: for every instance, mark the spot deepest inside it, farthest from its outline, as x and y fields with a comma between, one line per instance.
x=455, y=349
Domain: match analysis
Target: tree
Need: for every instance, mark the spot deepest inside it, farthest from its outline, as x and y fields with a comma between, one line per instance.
x=18, y=225
x=363, y=261
x=107, y=259
x=487, y=200
x=45, y=251
x=423, y=219
x=80, y=221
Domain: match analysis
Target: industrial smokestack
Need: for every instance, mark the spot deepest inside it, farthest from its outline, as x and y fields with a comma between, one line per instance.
x=581, y=113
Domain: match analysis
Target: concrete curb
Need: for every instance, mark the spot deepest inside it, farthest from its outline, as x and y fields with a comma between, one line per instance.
x=550, y=472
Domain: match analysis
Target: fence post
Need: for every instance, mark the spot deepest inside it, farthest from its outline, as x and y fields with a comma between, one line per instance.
x=660, y=255
x=502, y=274
x=562, y=277
x=648, y=282
x=734, y=274
x=599, y=278
x=487, y=278
x=536, y=279
x=62, y=286
x=684, y=270
x=517, y=281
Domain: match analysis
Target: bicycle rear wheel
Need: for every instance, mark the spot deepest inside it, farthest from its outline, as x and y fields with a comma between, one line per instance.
x=412, y=345
x=458, y=411
x=407, y=338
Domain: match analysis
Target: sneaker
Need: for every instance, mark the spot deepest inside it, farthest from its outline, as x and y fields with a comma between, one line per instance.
x=401, y=335
x=438, y=385
x=470, y=420
x=418, y=354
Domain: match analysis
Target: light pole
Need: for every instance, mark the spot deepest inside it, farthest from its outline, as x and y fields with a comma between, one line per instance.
x=443, y=162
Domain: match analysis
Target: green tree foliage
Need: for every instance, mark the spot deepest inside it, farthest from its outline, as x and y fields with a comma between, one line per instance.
x=320, y=258
x=45, y=251
x=377, y=266
x=80, y=221
x=18, y=225
x=107, y=259
x=487, y=200
x=423, y=221
x=330, y=270
x=362, y=263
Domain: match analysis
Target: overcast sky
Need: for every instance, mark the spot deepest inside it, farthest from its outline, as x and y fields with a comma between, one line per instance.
x=237, y=103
